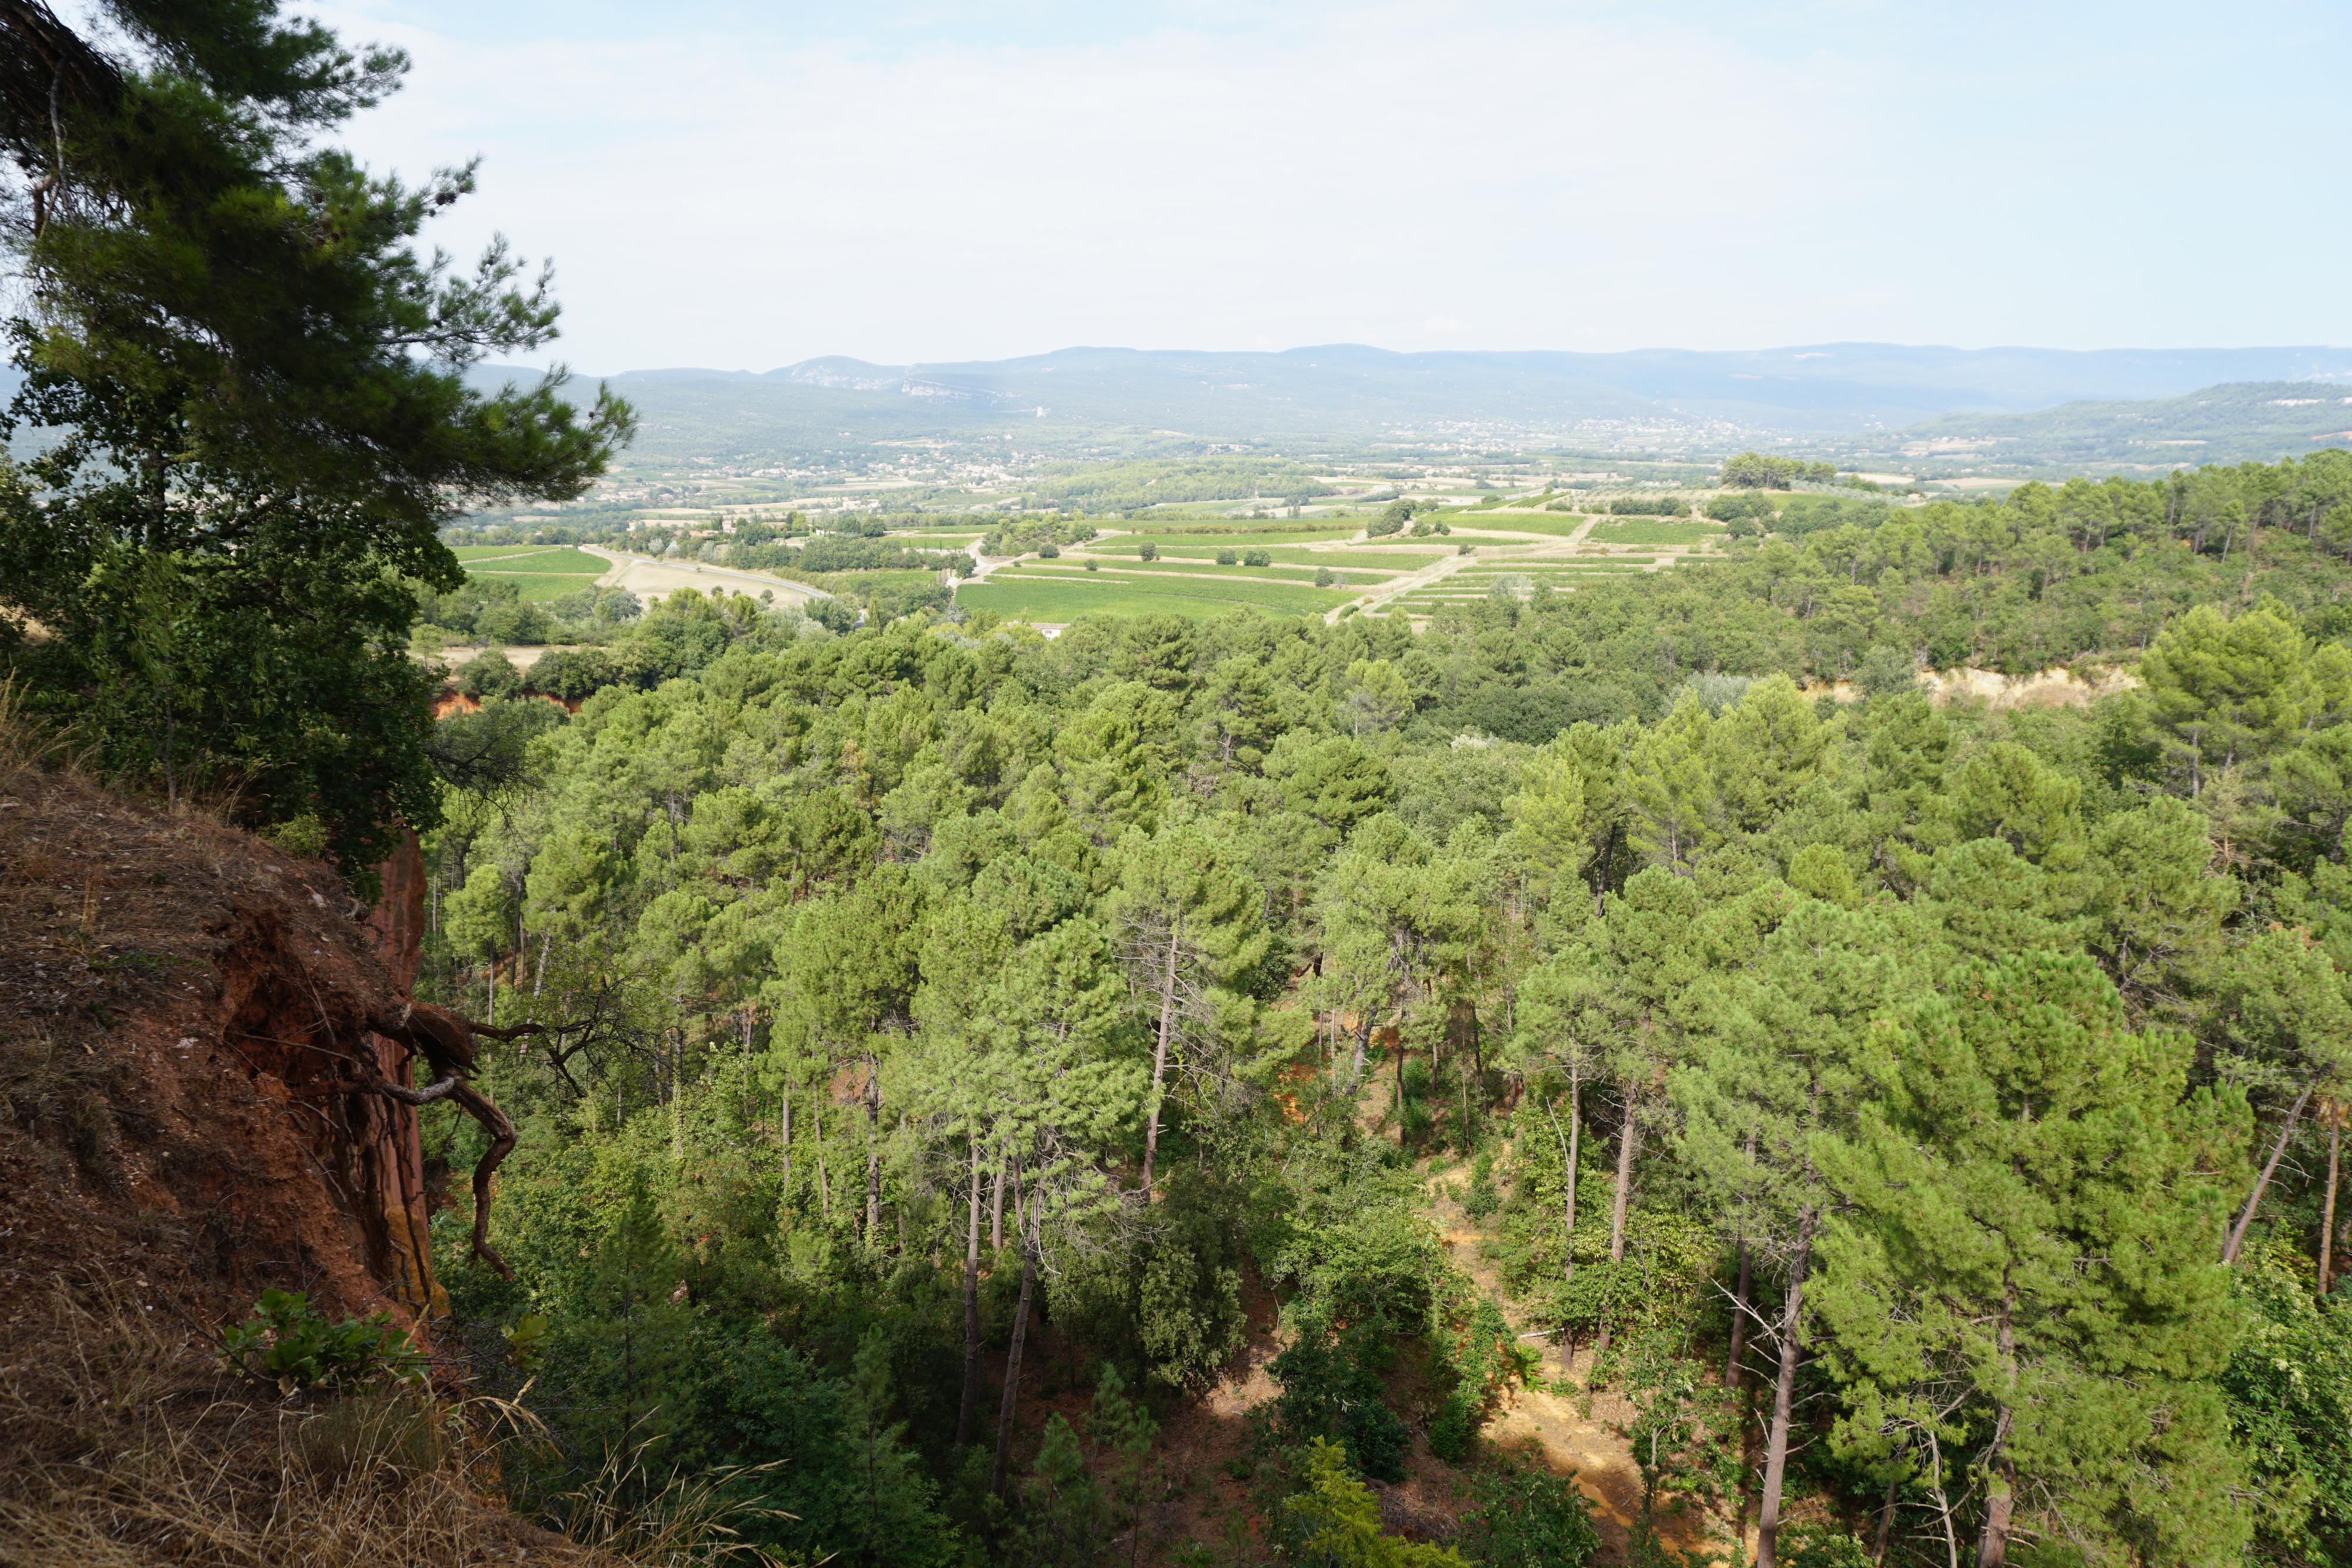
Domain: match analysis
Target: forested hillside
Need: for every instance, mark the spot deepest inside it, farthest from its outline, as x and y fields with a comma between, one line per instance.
x=912, y=1092
x=1924, y=1118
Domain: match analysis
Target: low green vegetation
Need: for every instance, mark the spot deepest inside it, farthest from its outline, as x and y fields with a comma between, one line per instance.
x=1064, y=597
x=503, y=559
x=1115, y=487
x=1650, y=532
x=536, y=588
x=1212, y=568
x=1339, y=560
x=1521, y=523
x=1192, y=541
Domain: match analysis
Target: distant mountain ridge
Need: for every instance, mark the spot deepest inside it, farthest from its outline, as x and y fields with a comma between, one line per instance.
x=2235, y=422
x=1352, y=391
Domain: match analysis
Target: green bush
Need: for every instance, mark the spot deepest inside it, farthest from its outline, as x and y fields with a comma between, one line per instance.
x=574, y=672
x=291, y=1343
x=1228, y=557
x=1331, y=1389
x=488, y=673
x=1529, y=1518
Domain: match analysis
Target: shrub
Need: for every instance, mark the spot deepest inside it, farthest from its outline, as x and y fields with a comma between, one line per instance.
x=303, y=837
x=488, y=674
x=1528, y=1518
x=291, y=1343
x=575, y=673
x=1323, y=577
x=1147, y=550
x=1258, y=557
x=1331, y=1389
x=1227, y=558
x=1335, y=1519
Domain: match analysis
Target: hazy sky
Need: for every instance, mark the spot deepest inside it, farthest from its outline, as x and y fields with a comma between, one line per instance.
x=743, y=187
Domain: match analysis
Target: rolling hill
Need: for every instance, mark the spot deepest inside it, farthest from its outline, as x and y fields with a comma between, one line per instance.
x=2235, y=422
x=1349, y=392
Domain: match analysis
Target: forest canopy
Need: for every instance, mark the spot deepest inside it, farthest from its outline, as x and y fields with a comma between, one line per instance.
x=1871, y=1093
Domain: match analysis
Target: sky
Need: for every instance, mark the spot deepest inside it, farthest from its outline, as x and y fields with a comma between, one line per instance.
x=744, y=186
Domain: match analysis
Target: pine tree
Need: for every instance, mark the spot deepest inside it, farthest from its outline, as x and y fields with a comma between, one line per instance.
x=1192, y=934
x=1781, y=1057
x=2030, y=1207
x=258, y=383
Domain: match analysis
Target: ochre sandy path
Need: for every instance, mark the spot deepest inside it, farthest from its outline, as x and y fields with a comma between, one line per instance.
x=1554, y=1428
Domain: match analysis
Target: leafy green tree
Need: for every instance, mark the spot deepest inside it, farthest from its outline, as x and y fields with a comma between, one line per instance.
x=2289, y=1387
x=2287, y=1030
x=1377, y=697
x=1335, y=780
x=1529, y=1518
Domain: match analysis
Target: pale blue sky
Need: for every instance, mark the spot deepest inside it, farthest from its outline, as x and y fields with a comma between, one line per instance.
x=744, y=185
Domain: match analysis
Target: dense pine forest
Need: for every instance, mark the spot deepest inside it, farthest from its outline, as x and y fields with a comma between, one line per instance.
x=952, y=1069
x=1928, y=1113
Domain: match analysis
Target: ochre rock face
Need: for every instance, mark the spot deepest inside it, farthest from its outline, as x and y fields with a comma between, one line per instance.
x=183, y=1015
x=402, y=1258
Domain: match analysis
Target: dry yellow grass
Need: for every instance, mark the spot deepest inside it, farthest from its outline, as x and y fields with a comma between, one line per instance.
x=124, y=1444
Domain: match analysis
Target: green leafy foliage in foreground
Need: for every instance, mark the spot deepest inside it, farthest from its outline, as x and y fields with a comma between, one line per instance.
x=943, y=1006
x=291, y=1343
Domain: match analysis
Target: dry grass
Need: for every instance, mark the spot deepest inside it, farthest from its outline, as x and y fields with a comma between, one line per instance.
x=124, y=1444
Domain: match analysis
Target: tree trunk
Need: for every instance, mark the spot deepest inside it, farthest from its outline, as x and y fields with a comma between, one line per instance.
x=1740, y=1303
x=2255, y=1199
x=1886, y=1518
x=1013, y=1365
x=1363, y=1039
x=1617, y=1207
x=1568, y=1197
x=1784, y=1390
x=1400, y=1080
x=2327, y=1210
x=823, y=1183
x=873, y=1149
x=970, y=1404
x=996, y=1214
x=1160, y=1058
x=2000, y=1491
x=788, y=1145
x=1738, y=1320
